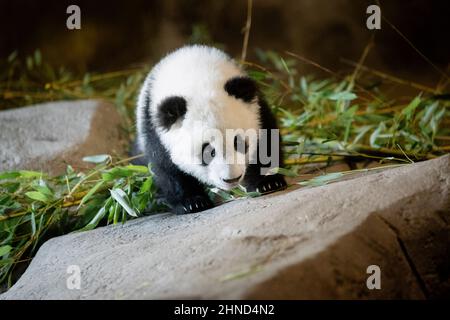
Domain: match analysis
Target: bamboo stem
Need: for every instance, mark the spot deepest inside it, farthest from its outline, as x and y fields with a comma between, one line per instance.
x=322, y=159
x=391, y=78
x=247, y=27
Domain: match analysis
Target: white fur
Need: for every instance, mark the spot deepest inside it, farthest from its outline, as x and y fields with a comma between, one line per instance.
x=198, y=74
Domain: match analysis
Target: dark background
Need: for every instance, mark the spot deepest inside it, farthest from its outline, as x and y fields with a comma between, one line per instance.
x=116, y=34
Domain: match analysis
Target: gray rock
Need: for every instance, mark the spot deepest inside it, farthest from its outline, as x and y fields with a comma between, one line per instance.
x=49, y=136
x=305, y=243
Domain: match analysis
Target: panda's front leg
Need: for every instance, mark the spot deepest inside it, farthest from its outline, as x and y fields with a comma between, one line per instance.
x=183, y=193
x=256, y=181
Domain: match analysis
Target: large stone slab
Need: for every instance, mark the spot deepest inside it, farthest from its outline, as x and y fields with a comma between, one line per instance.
x=51, y=135
x=304, y=243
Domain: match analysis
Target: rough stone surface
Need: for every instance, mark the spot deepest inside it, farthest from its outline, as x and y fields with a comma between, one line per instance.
x=305, y=243
x=49, y=136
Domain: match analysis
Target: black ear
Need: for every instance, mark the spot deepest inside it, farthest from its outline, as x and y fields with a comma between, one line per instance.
x=241, y=88
x=170, y=110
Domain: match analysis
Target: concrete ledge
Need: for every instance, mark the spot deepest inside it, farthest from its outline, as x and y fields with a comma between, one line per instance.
x=307, y=243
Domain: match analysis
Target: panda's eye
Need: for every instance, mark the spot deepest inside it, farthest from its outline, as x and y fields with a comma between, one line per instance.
x=240, y=144
x=208, y=153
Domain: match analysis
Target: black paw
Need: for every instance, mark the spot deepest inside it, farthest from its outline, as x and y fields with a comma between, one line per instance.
x=193, y=204
x=269, y=184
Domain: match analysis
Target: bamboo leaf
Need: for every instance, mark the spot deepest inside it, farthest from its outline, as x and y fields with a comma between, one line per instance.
x=9, y=175
x=91, y=193
x=101, y=158
x=94, y=222
x=4, y=250
x=135, y=168
x=409, y=110
x=322, y=180
x=35, y=195
x=285, y=172
x=33, y=224
x=37, y=57
x=122, y=198
x=30, y=174
x=343, y=95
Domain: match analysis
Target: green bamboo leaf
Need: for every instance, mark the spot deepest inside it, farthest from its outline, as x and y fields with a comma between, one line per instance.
x=122, y=198
x=94, y=222
x=223, y=194
x=4, y=250
x=44, y=189
x=9, y=175
x=428, y=113
x=304, y=85
x=361, y=132
x=12, y=56
x=241, y=274
x=284, y=172
x=116, y=173
x=37, y=57
x=35, y=195
x=91, y=193
x=146, y=186
x=30, y=63
x=239, y=192
x=375, y=134
x=135, y=168
x=5, y=262
x=117, y=211
x=257, y=75
x=343, y=95
x=27, y=174
x=322, y=180
x=33, y=224
x=100, y=158
x=409, y=110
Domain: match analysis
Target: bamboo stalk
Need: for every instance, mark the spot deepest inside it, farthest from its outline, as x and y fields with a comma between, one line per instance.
x=323, y=159
x=248, y=24
x=391, y=78
x=388, y=151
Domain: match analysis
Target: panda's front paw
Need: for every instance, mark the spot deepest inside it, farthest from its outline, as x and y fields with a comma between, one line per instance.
x=269, y=184
x=193, y=204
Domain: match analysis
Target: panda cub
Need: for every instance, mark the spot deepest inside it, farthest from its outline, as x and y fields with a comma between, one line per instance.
x=200, y=122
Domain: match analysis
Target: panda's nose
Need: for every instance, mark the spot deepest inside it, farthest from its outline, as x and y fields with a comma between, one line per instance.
x=233, y=180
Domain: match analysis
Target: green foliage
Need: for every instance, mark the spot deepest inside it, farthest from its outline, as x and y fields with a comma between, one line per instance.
x=322, y=121
x=336, y=117
x=32, y=80
x=32, y=203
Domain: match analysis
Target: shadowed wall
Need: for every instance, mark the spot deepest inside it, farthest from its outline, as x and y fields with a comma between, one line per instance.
x=117, y=33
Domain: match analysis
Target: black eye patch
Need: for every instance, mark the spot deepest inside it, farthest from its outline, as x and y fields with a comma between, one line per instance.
x=208, y=153
x=170, y=110
x=240, y=145
x=242, y=88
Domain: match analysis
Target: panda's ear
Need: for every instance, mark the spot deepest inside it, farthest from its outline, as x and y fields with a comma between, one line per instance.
x=170, y=110
x=242, y=88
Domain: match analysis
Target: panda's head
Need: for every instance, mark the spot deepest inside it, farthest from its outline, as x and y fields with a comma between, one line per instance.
x=206, y=113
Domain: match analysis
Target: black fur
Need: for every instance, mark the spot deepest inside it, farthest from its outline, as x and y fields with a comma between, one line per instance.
x=170, y=110
x=253, y=180
x=185, y=193
x=242, y=88
x=182, y=192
